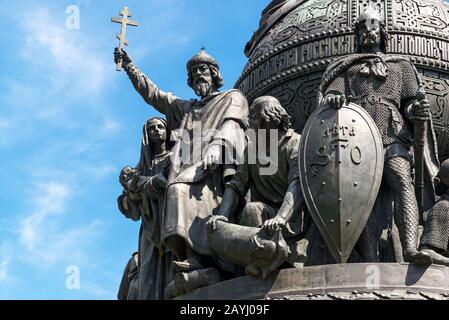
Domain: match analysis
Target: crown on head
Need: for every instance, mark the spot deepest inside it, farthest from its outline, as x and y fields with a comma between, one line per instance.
x=202, y=57
x=370, y=13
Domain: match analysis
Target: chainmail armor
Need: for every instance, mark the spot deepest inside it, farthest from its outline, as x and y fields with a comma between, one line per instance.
x=369, y=240
x=406, y=213
x=436, y=229
x=382, y=98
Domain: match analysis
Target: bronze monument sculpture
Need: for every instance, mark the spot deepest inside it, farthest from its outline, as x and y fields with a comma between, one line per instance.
x=388, y=88
x=341, y=155
x=195, y=182
x=143, y=198
x=332, y=171
x=276, y=199
x=435, y=239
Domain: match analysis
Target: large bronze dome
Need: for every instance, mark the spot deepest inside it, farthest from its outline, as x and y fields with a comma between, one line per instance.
x=297, y=39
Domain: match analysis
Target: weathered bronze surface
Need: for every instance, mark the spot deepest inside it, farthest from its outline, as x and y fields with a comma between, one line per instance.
x=259, y=251
x=336, y=282
x=390, y=89
x=435, y=238
x=341, y=164
x=297, y=40
x=124, y=21
x=355, y=187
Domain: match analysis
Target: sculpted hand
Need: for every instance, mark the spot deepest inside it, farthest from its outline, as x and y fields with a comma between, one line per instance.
x=212, y=157
x=132, y=184
x=273, y=224
x=420, y=110
x=159, y=181
x=211, y=224
x=336, y=101
x=134, y=196
x=121, y=54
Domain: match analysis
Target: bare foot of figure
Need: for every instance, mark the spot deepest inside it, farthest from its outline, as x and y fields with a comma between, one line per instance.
x=192, y=262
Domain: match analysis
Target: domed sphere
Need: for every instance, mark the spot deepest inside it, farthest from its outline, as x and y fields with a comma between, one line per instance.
x=297, y=39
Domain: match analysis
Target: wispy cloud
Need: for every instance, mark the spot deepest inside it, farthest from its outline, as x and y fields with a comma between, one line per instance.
x=6, y=258
x=67, y=135
x=110, y=127
x=49, y=199
x=97, y=290
x=4, y=273
x=100, y=171
x=61, y=75
x=43, y=235
x=68, y=57
x=5, y=125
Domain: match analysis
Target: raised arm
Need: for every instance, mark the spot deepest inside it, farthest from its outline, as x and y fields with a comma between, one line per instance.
x=160, y=100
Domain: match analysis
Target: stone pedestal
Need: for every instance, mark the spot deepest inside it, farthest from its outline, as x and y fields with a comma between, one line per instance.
x=337, y=281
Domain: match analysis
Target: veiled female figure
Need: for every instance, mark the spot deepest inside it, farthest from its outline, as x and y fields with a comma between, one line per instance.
x=143, y=198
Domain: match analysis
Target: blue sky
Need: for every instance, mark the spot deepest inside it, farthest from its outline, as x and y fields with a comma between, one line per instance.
x=69, y=122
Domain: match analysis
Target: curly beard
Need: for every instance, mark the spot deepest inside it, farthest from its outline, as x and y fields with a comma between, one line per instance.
x=202, y=88
x=369, y=39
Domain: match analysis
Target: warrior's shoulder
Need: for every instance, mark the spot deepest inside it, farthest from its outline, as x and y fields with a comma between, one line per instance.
x=338, y=65
x=233, y=93
x=347, y=59
x=334, y=64
x=402, y=61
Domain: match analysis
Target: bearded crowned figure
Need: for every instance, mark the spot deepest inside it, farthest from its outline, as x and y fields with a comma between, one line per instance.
x=389, y=88
x=196, y=182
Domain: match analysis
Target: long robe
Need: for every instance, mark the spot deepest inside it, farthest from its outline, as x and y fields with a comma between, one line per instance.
x=129, y=288
x=193, y=193
x=155, y=270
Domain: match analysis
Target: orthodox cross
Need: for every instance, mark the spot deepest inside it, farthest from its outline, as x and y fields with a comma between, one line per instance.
x=124, y=21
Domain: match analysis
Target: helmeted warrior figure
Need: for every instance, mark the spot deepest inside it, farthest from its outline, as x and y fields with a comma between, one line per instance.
x=389, y=89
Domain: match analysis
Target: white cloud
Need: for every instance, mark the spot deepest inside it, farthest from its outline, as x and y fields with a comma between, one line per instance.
x=60, y=74
x=49, y=199
x=63, y=73
x=67, y=57
x=100, y=171
x=110, y=127
x=5, y=125
x=42, y=234
x=97, y=290
x=4, y=274
x=5, y=262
